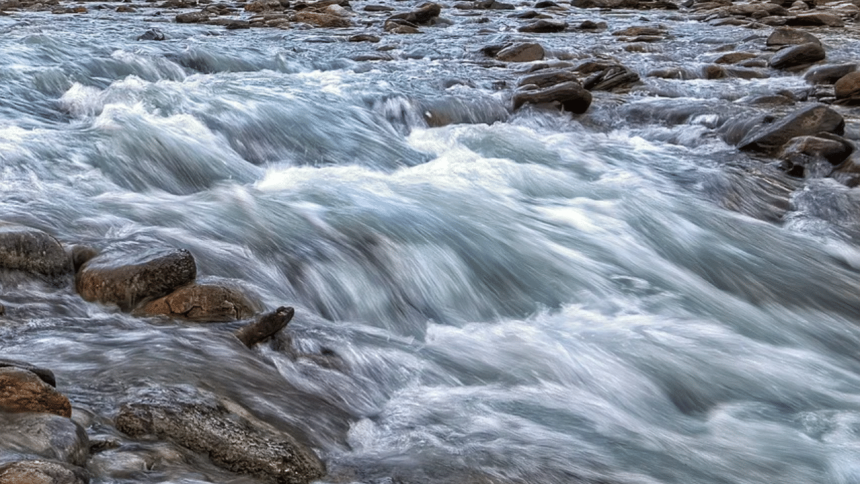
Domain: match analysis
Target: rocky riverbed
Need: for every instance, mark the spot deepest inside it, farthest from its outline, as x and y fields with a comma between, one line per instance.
x=600, y=241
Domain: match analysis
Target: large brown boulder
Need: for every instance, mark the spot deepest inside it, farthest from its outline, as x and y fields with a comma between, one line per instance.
x=848, y=87
x=570, y=96
x=798, y=55
x=44, y=374
x=229, y=440
x=424, y=14
x=24, y=391
x=216, y=302
x=811, y=120
x=129, y=275
x=42, y=472
x=32, y=251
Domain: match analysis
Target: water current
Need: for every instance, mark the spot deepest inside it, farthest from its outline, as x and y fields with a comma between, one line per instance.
x=534, y=297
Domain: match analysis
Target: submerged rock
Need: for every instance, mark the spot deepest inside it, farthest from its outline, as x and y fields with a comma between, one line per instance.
x=33, y=252
x=265, y=327
x=829, y=74
x=23, y=391
x=129, y=275
x=44, y=435
x=424, y=14
x=152, y=34
x=807, y=121
x=192, y=18
x=544, y=27
x=212, y=302
x=606, y=76
x=42, y=472
x=231, y=441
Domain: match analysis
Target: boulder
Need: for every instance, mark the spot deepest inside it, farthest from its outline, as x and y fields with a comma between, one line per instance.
x=605, y=3
x=214, y=302
x=424, y=14
x=130, y=274
x=848, y=87
x=23, y=391
x=325, y=20
x=265, y=326
x=544, y=27
x=830, y=147
x=364, y=38
x=44, y=374
x=571, y=96
x=592, y=25
x=33, y=252
x=829, y=74
x=636, y=31
x=734, y=57
x=192, y=18
x=798, y=55
x=44, y=435
x=231, y=441
x=811, y=120
x=548, y=77
x=786, y=36
x=42, y=472
x=527, y=52
x=815, y=20
x=606, y=76
x=757, y=10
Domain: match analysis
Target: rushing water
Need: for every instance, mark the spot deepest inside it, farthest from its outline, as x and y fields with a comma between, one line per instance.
x=529, y=297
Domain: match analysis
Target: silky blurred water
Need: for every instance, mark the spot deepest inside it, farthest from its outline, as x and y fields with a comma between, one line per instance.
x=531, y=297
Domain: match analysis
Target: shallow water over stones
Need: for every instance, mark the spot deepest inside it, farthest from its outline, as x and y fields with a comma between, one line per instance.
x=481, y=293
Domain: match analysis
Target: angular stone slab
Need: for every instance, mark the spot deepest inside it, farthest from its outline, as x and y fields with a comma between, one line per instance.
x=129, y=275
x=808, y=121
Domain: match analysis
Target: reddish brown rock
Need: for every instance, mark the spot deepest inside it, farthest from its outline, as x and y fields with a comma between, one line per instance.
x=848, y=86
x=42, y=472
x=32, y=251
x=202, y=303
x=129, y=275
x=326, y=20
x=24, y=391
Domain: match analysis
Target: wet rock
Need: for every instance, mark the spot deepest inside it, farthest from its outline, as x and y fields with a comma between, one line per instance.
x=671, y=73
x=203, y=303
x=130, y=274
x=546, y=4
x=192, y=18
x=605, y=3
x=734, y=57
x=589, y=25
x=44, y=374
x=364, y=38
x=494, y=5
x=606, y=76
x=829, y=74
x=237, y=25
x=42, y=472
x=757, y=10
x=231, y=441
x=544, y=27
x=636, y=31
x=33, y=252
x=263, y=6
x=44, y=435
x=827, y=146
x=125, y=9
x=152, y=34
x=798, y=55
x=265, y=326
x=396, y=26
x=811, y=120
x=325, y=20
x=815, y=19
x=770, y=100
x=23, y=391
x=847, y=88
x=378, y=8
x=526, y=52
x=424, y=14
x=548, y=77
x=786, y=36
x=720, y=72
x=570, y=96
